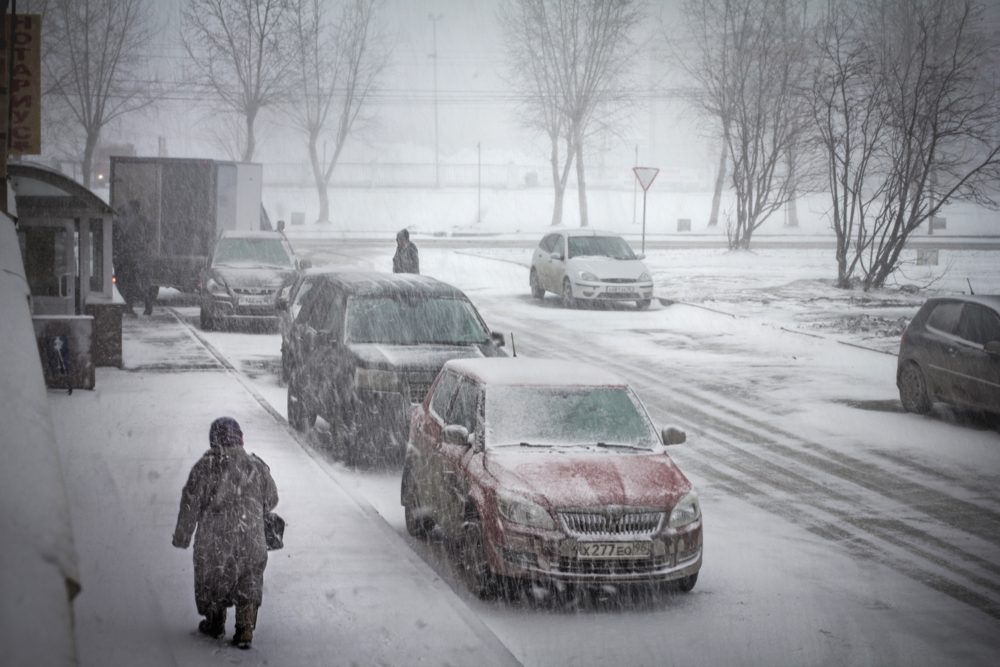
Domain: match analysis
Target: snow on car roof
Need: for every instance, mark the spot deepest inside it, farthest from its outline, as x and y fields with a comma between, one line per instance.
x=370, y=283
x=534, y=372
x=247, y=234
x=589, y=232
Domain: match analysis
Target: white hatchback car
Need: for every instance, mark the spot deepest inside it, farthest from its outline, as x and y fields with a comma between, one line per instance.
x=583, y=264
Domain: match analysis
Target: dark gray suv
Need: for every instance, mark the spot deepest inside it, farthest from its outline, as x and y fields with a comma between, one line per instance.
x=950, y=352
x=366, y=347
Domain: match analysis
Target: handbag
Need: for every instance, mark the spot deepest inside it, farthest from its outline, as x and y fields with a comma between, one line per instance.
x=274, y=531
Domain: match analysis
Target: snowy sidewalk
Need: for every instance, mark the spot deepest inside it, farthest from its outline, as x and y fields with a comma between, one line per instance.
x=345, y=589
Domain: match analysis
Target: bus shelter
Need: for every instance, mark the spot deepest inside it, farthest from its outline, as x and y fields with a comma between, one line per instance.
x=64, y=231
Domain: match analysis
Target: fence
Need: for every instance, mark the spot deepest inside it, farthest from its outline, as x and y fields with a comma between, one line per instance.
x=496, y=176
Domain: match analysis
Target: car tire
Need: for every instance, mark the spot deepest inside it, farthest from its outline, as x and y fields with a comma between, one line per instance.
x=207, y=322
x=417, y=526
x=642, y=304
x=913, y=390
x=686, y=584
x=300, y=416
x=537, y=290
x=567, y=294
x=475, y=566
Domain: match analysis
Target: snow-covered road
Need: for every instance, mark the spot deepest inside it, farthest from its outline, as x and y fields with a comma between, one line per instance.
x=838, y=529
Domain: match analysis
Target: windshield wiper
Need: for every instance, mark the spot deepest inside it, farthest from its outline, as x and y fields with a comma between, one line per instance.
x=618, y=445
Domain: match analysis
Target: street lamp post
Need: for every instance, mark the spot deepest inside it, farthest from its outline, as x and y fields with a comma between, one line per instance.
x=434, y=18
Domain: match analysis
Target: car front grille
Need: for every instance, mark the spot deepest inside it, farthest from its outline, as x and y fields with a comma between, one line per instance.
x=628, y=296
x=612, y=521
x=419, y=383
x=255, y=291
x=610, y=568
x=619, y=280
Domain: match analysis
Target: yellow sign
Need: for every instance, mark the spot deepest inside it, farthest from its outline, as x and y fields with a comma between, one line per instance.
x=25, y=91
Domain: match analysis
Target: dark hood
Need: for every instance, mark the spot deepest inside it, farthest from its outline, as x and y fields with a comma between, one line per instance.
x=557, y=479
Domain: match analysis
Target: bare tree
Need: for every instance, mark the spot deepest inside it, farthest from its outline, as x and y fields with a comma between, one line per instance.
x=339, y=60
x=749, y=58
x=236, y=51
x=906, y=111
x=571, y=61
x=95, y=66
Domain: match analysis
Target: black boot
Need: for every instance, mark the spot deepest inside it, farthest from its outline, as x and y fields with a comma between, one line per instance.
x=214, y=624
x=246, y=622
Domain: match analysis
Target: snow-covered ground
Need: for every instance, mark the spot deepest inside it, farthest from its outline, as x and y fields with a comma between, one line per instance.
x=838, y=529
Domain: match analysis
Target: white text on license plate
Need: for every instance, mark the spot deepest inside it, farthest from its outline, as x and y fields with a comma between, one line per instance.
x=255, y=301
x=613, y=549
x=620, y=288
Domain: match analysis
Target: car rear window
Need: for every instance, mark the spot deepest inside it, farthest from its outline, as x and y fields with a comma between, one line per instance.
x=600, y=246
x=944, y=316
x=978, y=325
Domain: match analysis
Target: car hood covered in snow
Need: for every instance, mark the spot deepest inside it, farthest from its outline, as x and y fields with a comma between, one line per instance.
x=605, y=267
x=414, y=357
x=557, y=479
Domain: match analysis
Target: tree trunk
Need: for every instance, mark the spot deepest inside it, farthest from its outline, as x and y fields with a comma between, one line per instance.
x=251, y=146
x=581, y=184
x=720, y=182
x=560, y=187
x=88, y=157
x=321, y=183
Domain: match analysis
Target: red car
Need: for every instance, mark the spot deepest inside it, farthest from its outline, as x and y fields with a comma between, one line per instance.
x=549, y=471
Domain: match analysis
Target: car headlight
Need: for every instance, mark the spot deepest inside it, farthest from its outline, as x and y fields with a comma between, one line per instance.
x=686, y=511
x=377, y=380
x=588, y=276
x=645, y=277
x=521, y=510
x=215, y=287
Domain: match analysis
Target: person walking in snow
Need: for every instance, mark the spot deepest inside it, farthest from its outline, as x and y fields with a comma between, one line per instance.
x=226, y=496
x=406, y=259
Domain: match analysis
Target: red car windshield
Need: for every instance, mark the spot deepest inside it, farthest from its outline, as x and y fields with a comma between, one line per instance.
x=566, y=416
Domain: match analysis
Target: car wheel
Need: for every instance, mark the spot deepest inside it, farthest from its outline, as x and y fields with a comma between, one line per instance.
x=537, y=290
x=913, y=390
x=299, y=414
x=567, y=294
x=207, y=322
x=476, y=572
x=417, y=526
x=642, y=304
x=686, y=584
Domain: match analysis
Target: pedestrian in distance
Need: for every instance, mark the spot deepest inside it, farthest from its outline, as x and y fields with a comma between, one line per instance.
x=406, y=259
x=226, y=496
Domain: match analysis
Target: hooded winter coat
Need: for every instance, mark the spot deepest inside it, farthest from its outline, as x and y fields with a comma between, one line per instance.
x=226, y=495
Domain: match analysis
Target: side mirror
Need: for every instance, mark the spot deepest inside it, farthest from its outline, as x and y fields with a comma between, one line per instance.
x=455, y=434
x=498, y=338
x=673, y=436
x=992, y=347
x=556, y=255
x=640, y=256
x=305, y=264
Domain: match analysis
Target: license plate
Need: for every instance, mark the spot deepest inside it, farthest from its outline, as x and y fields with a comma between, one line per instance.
x=255, y=301
x=623, y=288
x=613, y=549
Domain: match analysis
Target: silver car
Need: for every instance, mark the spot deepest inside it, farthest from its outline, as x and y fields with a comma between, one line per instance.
x=586, y=265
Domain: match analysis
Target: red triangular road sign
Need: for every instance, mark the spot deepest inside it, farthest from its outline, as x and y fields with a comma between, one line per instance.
x=645, y=176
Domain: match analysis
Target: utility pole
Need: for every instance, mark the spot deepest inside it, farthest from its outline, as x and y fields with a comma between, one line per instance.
x=479, y=182
x=434, y=18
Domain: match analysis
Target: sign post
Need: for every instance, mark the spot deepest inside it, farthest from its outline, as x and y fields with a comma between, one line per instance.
x=645, y=176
